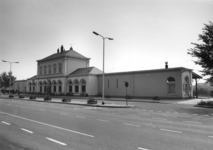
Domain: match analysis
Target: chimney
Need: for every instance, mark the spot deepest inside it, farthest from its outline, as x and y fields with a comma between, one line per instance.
x=58, y=50
x=166, y=65
x=62, y=48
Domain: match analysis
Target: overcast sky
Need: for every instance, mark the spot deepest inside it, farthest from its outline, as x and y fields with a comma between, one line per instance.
x=146, y=33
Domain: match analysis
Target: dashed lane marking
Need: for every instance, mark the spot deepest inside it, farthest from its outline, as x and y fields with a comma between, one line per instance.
x=135, y=125
x=160, y=118
x=192, y=122
x=211, y=136
x=142, y=148
x=56, y=141
x=6, y=123
x=102, y=120
x=171, y=130
x=47, y=124
x=26, y=130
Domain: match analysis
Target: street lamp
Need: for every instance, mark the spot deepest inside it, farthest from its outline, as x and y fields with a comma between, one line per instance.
x=103, y=61
x=10, y=71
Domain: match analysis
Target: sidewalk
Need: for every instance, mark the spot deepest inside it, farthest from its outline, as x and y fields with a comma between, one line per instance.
x=73, y=102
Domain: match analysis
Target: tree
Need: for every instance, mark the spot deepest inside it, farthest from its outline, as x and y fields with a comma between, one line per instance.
x=204, y=51
x=5, y=80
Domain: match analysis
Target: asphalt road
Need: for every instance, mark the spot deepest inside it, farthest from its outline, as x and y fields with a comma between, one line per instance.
x=28, y=125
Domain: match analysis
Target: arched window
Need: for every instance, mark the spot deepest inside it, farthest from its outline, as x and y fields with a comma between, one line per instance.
x=83, y=86
x=45, y=86
x=70, y=85
x=170, y=85
x=54, y=85
x=59, y=86
x=40, y=85
x=30, y=86
x=186, y=86
x=76, y=86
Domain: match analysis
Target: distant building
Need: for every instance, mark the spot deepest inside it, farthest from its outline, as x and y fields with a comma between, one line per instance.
x=69, y=72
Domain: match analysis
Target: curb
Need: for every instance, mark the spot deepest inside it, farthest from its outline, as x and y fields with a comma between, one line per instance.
x=70, y=103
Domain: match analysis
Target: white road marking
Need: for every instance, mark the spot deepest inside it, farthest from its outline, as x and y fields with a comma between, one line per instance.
x=27, y=130
x=167, y=112
x=192, y=122
x=171, y=130
x=142, y=148
x=47, y=124
x=63, y=113
x=80, y=116
x=6, y=123
x=159, y=118
x=211, y=136
x=194, y=114
x=56, y=141
x=135, y=125
x=103, y=120
x=205, y=115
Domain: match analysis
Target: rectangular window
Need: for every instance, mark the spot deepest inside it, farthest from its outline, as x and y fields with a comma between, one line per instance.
x=171, y=88
x=54, y=68
x=45, y=69
x=59, y=68
x=40, y=70
x=45, y=88
x=49, y=69
x=54, y=88
x=40, y=88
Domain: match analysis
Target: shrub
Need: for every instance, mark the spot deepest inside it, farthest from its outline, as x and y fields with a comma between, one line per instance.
x=32, y=97
x=92, y=100
x=47, y=98
x=156, y=98
x=70, y=94
x=84, y=94
x=21, y=96
x=11, y=96
x=205, y=103
x=66, y=100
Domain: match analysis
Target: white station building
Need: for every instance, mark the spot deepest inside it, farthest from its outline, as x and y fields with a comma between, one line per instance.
x=67, y=71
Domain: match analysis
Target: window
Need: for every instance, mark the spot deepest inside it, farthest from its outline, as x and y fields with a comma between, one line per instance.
x=54, y=86
x=45, y=69
x=40, y=83
x=49, y=69
x=40, y=70
x=83, y=86
x=54, y=68
x=59, y=86
x=171, y=85
x=45, y=86
x=117, y=83
x=70, y=86
x=76, y=86
x=59, y=68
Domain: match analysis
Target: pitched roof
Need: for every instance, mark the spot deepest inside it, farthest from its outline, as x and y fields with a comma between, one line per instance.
x=69, y=53
x=33, y=77
x=85, y=71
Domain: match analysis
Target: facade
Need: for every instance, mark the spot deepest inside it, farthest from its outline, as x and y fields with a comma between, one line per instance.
x=69, y=72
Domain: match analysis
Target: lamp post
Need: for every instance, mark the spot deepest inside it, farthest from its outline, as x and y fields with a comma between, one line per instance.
x=10, y=71
x=103, y=61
